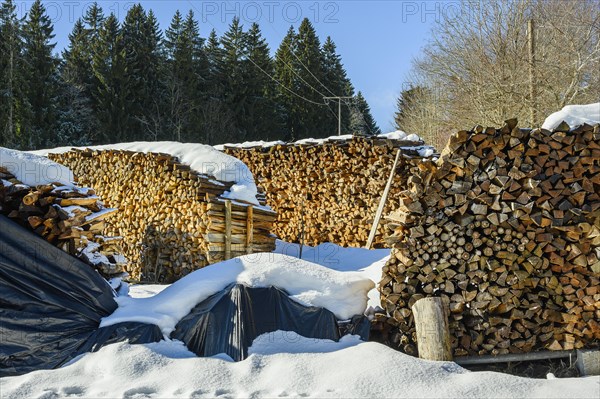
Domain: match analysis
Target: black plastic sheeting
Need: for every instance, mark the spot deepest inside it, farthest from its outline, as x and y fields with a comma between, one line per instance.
x=230, y=320
x=51, y=305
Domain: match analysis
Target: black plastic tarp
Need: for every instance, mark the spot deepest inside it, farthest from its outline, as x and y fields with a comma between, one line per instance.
x=230, y=320
x=51, y=305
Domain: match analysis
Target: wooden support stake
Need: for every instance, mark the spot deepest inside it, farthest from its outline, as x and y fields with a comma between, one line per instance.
x=433, y=335
x=382, y=201
x=227, y=229
x=249, y=229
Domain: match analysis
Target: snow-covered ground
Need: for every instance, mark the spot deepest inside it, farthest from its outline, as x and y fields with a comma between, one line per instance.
x=280, y=364
x=574, y=115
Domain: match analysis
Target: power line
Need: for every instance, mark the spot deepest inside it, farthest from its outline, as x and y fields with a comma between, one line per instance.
x=300, y=77
x=266, y=73
x=305, y=67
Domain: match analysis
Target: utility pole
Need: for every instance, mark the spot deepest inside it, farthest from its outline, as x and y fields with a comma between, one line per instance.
x=339, y=99
x=532, y=94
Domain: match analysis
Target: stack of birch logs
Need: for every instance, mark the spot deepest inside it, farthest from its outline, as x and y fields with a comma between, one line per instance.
x=329, y=191
x=69, y=217
x=505, y=227
x=171, y=218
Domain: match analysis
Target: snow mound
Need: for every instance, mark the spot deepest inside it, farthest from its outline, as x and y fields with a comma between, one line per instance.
x=574, y=115
x=201, y=158
x=366, y=370
x=291, y=342
x=249, y=144
x=34, y=170
x=400, y=135
x=369, y=262
x=343, y=293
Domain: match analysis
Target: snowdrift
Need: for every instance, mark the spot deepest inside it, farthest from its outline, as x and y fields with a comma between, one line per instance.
x=574, y=115
x=282, y=364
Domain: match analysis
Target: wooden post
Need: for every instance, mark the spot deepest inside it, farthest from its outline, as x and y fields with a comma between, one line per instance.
x=227, y=229
x=532, y=94
x=382, y=201
x=249, y=228
x=431, y=322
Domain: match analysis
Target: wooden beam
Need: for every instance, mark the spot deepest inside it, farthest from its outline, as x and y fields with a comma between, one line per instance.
x=227, y=229
x=382, y=201
x=249, y=229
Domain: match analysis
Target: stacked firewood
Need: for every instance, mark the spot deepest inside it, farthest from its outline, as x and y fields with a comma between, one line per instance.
x=69, y=217
x=329, y=192
x=506, y=227
x=172, y=219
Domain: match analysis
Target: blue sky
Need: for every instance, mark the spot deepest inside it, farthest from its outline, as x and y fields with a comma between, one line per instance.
x=376, y=39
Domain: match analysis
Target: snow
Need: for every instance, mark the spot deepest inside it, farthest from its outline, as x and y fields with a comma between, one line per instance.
x=201, y=158
x=424, y=151
x=291, y=342
x=367, y=262
x=33, y=170
x=397, y=135
x=400, y=135
x=73, y=210
x=281, y=365
x=249, y=144
x=574, y=115
x=343, y=293
x=99, y=214
x=342, y=137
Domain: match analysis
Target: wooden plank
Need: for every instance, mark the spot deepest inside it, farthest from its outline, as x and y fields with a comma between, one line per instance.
x=382, y=201
x=227, y=229
x=249, y=229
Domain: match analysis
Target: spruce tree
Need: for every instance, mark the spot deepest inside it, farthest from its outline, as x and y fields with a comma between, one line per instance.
x=79, y=83
x=111, y=92
x=141, y=40
x=336, y=80
x=94, y=20
x=41, y=70
x=218, y=123
x=362, y=122
x=235, y=76
x=185, y=77
x=261, y=117
x=12, y=99
x=408, y=99
x=310, y=69
x=284, y=73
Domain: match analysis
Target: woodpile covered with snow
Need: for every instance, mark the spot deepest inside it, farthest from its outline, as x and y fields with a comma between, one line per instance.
x=173, y=218
x=506, y=227
x=328, y=190
x=70, y=217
